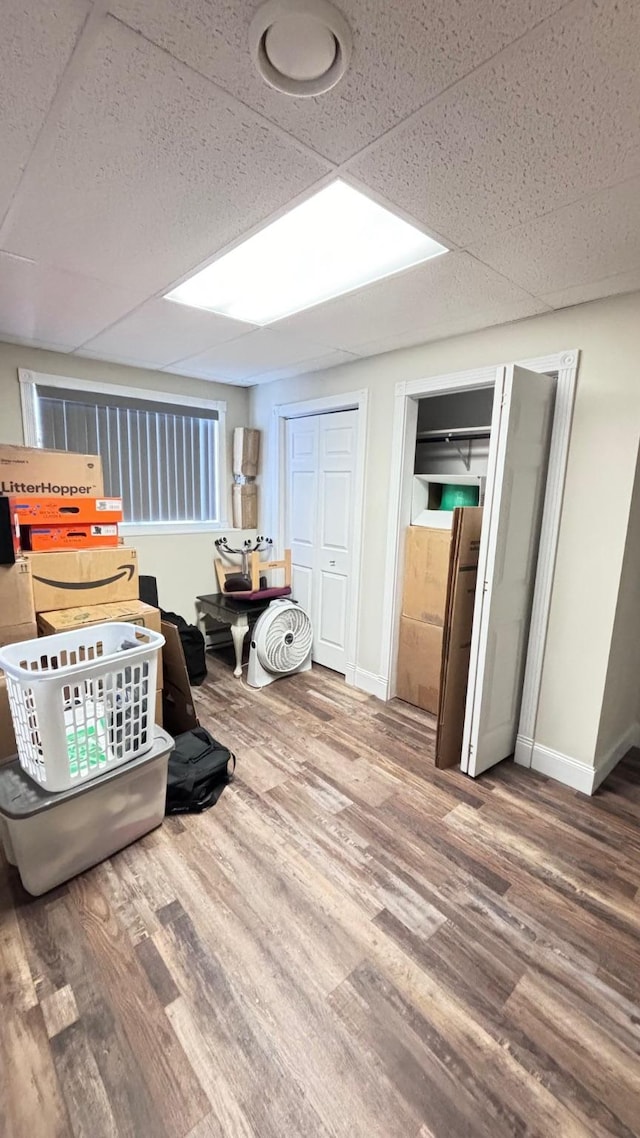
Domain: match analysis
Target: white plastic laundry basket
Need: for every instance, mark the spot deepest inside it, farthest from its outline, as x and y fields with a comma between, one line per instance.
x=82, y=702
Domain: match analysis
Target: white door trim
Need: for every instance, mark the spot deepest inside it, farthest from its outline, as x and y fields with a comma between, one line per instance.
x=565, y=365
x=350, y=401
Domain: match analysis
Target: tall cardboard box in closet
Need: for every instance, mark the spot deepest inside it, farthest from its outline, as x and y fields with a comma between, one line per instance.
x=419, y=663
x=426, y=574
x=461, y=595
x=436, y=562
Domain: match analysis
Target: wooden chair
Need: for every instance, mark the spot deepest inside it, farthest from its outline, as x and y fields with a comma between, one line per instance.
x=257, y=569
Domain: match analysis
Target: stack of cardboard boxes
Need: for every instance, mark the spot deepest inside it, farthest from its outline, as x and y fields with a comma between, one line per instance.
x=69, y=583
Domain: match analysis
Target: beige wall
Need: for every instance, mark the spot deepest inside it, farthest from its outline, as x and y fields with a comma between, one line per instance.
x=183, y=563
x=597, y=496
x=621, y=704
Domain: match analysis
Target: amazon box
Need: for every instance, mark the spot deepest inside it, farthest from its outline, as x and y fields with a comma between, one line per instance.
x=32, y=470
x=68, y=579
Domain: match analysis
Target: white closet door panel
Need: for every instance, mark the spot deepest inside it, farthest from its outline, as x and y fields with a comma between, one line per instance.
x=302, y=586
x=521, y=432
x=337, y=456
x=321, y=457
x=303, y=488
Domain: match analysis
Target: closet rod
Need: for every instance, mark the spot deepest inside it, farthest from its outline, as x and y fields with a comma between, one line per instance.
x=462, y=433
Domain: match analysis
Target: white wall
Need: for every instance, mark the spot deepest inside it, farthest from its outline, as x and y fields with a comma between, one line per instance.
x=621, y=703
x=597, y=496
x=182, y=563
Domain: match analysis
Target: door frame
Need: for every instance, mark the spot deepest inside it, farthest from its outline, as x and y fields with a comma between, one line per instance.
x=303, y=409
x=565, y=366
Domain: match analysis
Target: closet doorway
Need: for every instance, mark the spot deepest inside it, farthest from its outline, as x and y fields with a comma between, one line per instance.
x=525, y=466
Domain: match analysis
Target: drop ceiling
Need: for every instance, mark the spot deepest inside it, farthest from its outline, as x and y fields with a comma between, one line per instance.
x=137, y=143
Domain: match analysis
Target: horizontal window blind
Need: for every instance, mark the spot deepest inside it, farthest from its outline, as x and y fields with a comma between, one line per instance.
x=160, y=458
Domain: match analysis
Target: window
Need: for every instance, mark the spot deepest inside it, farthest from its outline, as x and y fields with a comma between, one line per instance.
x=160, y=452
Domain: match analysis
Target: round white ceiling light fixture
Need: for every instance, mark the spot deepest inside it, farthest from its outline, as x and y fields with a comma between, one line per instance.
x=300, y=47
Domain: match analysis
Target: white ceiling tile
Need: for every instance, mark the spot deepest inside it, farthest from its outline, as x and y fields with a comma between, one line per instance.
x=330, y=358
x=263, y=351
x=403, y=55
x=552, y=118
x=610, y=286
x=36, y=41
x=415, y=304
x=582, y=243
x=152, y=170
x=55, y=307
x=161, y=332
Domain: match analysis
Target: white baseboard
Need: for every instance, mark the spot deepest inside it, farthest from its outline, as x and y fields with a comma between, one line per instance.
x=524, y=751
x=564, y=768
x=573, y=772
x=606, y=763
x=369, y=682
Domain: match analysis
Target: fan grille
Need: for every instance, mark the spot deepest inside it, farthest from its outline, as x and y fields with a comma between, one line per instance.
x=286, y=642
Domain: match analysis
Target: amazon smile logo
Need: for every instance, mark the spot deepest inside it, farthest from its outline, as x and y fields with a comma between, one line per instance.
x=126, y=571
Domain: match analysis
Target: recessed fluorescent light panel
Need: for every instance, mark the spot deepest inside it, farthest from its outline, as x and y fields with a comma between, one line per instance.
x=336, y=241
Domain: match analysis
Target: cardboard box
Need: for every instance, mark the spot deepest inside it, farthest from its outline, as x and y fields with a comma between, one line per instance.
x=40, y=509
x=244, y=500
x=178, y=709
x=419, y=663
x=246, y=451
x=426, y=574
x=16, y=633
x=9, y=533
x=31, y=470
x=158, y=715
x=16, y=594
x=7, y=738
x=456, y=652
x=133, y=612
x=95, y=576
x=38, y=539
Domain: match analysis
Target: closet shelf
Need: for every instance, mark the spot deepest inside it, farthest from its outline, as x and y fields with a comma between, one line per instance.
x=455, y=434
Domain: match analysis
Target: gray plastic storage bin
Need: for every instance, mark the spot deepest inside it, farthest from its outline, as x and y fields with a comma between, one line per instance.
x=52, y=837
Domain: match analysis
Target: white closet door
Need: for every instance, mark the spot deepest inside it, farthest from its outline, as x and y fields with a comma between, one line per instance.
x=301, y=507
x=321, y=456
x=336, y=463
x=516, y=480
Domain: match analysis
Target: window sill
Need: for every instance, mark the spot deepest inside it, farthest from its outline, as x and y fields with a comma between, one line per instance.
x=169, y=529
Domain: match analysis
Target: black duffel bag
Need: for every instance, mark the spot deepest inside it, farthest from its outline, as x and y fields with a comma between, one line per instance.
x=198, y=772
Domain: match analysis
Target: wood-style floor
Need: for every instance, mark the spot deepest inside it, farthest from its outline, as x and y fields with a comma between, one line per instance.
x=348, y=944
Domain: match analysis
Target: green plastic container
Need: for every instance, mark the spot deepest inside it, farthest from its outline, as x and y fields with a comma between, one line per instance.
x=454, y=496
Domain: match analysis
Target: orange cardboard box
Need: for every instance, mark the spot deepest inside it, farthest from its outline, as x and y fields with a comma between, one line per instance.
x=60, y=510
x=36, y=539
